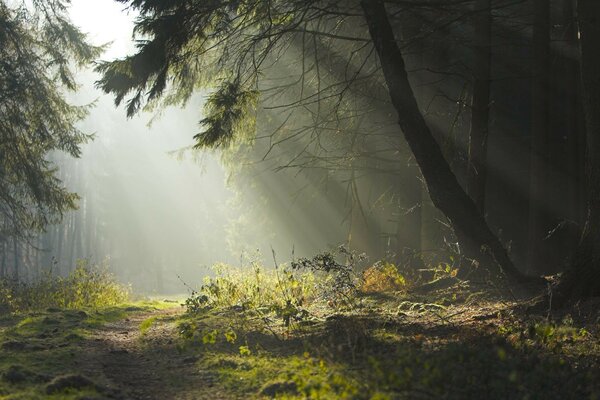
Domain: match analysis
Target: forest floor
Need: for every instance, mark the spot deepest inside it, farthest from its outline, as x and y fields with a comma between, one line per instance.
x=392, y=346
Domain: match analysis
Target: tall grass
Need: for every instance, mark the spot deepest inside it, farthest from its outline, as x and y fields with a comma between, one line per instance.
x=253, y=287
x=88, y=286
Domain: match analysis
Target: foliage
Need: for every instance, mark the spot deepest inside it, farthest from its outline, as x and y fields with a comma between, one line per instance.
x=255, y=289
x=548, y=334
x=382, y=277
x=38, y=48
x=392, y=361
x=229, y=47
x=228, y=110
x=87, y=286
x=339, y=287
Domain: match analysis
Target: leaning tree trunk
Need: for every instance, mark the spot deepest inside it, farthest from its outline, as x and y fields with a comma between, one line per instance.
x=583, y=279
x=447, y=195
x=480, y=104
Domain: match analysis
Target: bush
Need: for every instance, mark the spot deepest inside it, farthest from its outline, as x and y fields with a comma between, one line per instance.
x=278, y=291
x=87, y=286
x=286, y=292
x=382, y=277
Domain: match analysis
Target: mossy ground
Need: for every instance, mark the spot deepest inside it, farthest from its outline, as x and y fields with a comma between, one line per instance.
x=451, y=344
x=37, y=347
x=398, y=346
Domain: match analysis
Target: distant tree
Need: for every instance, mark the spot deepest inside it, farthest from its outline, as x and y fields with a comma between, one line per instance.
x=231, y=45
x=480, y=103
x=582, y=280
x=538, y=220
x=39, y=47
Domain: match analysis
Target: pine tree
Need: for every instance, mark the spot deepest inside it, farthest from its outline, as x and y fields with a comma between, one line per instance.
x=39, y=48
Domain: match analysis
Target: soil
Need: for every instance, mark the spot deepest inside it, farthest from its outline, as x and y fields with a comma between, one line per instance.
x=146, y=366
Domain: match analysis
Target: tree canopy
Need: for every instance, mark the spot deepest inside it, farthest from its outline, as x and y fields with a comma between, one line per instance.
x=39, y=47
x=235, y=46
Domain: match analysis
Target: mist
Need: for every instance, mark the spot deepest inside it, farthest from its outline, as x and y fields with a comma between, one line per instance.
x=156, y=211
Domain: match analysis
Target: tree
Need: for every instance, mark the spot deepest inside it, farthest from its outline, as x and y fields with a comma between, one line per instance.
x=232, y=44
x=538, y=226
x=38, y=46
x=480, y=103
x=581, y=280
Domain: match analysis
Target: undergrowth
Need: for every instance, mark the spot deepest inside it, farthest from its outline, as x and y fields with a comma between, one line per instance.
x=321, y=329
x=88, y=286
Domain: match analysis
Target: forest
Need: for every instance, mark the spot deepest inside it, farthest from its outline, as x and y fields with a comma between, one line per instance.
x=299, y=199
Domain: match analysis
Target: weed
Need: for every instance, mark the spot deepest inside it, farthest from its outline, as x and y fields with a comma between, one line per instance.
x=382, y=277
x=340, y=284
x=87, y=286
x=256, y=291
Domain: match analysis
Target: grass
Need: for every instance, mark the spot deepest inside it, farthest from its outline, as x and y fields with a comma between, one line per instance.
x=387, y=343
x=45, y=327
x=319, y=333
x=87, y=286
x=49, y=344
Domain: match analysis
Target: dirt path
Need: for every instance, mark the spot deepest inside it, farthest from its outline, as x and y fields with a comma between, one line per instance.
x=146, y=366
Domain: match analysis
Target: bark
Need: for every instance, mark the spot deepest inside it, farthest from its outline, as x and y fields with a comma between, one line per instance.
x=445, y=191
x=480, y=104
x=539, y=135
x=583, y=279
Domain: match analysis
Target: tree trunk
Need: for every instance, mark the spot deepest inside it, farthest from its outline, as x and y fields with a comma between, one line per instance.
x=539, y=136
x=480, y=104
x=583, y=279
x=570, y=99
x=446, y=193
x=16, y=259
x=4, y=251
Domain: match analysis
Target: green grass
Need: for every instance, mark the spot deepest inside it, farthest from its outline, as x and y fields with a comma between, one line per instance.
x=147, y=324
x=88, y=285
x=47, y=344
x=452, y=344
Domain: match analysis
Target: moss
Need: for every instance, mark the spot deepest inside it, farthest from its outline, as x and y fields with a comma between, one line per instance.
x=39, y=346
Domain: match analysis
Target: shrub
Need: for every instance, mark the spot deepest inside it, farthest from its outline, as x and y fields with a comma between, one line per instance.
x=279, y=291
x=338, y=284
x=382, y=277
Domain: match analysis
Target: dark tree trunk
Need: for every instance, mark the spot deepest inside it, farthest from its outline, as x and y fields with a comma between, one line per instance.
x=480, y=104
x=445, y=191
x=539, y=135
x=570, y=99
x=583, y=279
x=16, y=259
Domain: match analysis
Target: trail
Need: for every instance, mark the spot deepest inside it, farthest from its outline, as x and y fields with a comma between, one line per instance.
x=146, y=366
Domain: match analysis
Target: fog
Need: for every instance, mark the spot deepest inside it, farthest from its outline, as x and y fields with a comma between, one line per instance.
x=324, y=173
x=155, y=211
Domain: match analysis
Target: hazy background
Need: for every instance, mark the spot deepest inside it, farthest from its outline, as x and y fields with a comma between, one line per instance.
x=160, y=215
